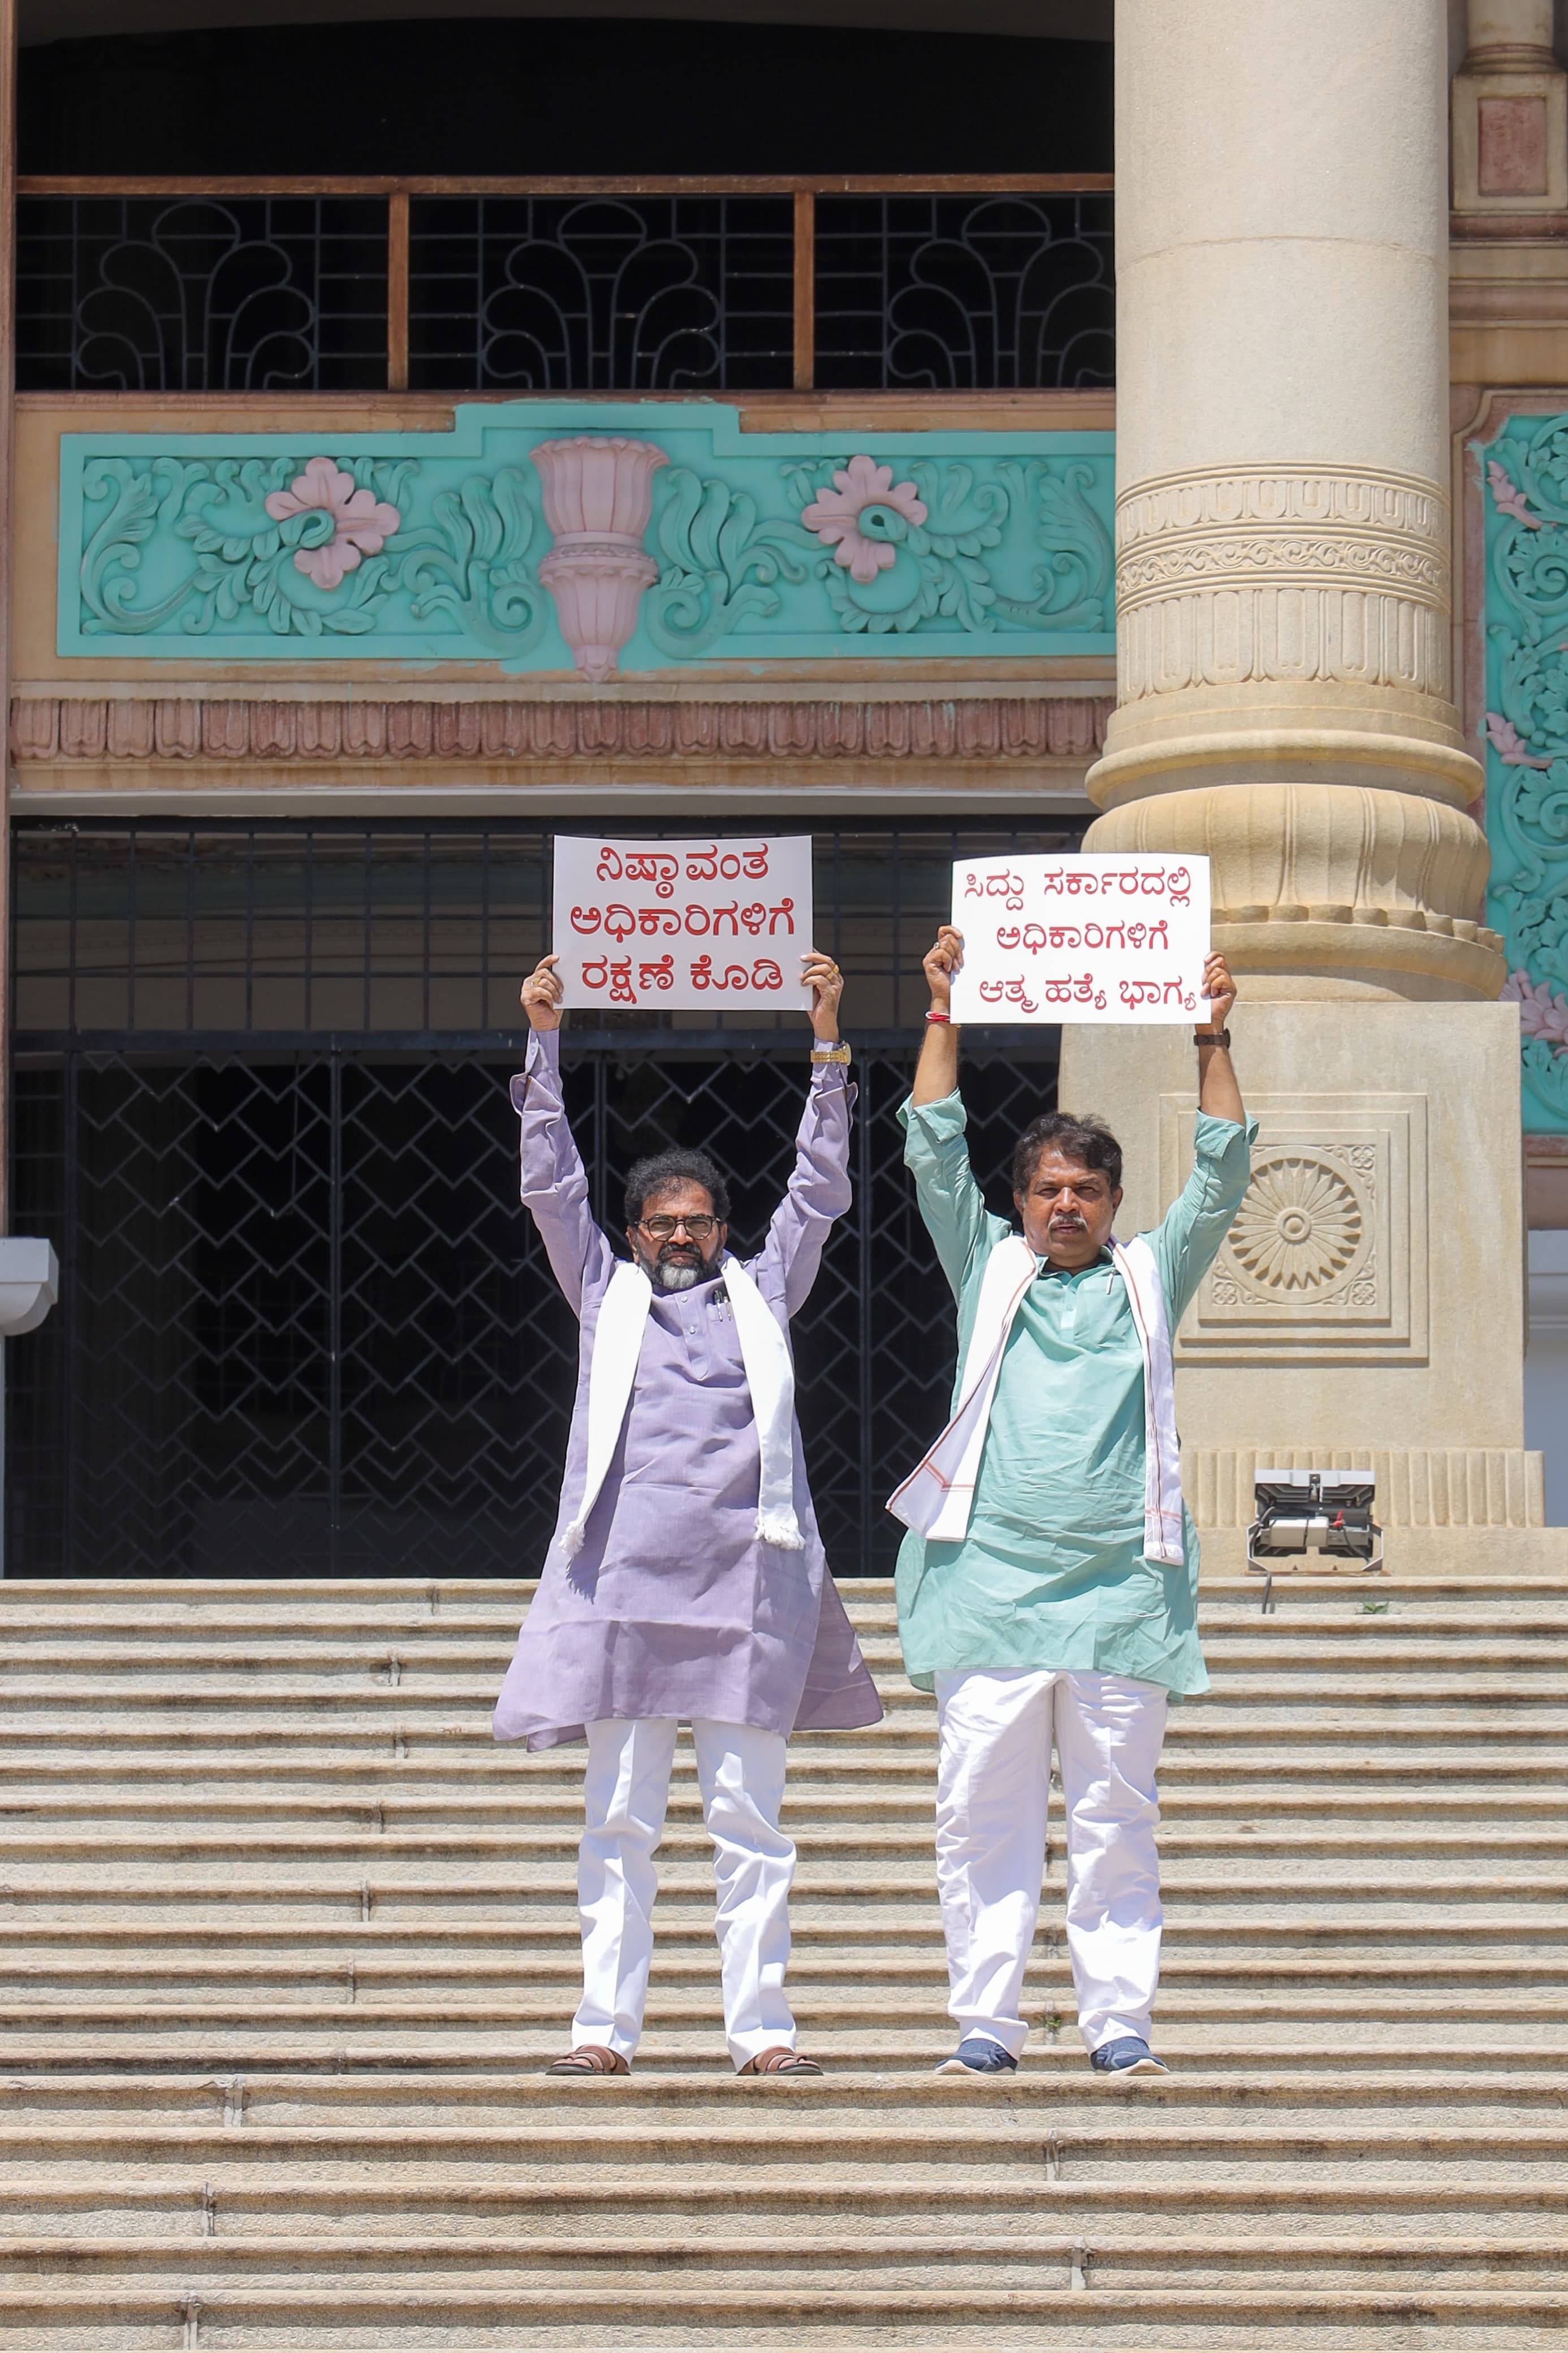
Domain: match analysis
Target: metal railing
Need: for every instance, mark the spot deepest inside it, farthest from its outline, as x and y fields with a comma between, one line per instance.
x=555, y=284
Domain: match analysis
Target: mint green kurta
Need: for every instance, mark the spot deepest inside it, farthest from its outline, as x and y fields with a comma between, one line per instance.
x=1052, y=1572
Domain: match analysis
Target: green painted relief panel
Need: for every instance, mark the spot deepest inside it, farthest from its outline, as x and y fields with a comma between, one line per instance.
x=424, y=547
x=1525, y=472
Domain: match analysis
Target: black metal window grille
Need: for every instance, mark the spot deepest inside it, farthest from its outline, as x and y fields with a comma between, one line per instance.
x=624, y=293
x=305, y=1325
x=202, y=293
x=734, y=287
x=284, y=932
x=962, y=293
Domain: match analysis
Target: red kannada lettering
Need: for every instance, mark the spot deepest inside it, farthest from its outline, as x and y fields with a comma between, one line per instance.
x=599, y=971
x=734, y=976
x=657, y=867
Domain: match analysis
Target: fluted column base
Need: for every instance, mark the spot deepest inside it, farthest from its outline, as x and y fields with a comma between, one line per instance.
x=1330, y=890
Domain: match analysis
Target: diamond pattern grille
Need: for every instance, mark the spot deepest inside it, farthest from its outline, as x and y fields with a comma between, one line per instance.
x=306, y=1328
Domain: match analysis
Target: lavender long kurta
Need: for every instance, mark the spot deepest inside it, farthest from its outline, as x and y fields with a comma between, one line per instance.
x=673, y=1607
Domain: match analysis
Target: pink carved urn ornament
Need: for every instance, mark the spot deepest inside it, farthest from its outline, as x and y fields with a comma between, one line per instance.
x=361, y=521
x=598, y=496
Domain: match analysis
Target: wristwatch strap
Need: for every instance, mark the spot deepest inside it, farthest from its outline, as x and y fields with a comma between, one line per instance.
x=1212, y=1038
x=839, y=1053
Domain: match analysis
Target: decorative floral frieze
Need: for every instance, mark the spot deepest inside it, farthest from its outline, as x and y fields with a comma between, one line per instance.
x=56, y=732
x=447, y=545
x=1525, y=489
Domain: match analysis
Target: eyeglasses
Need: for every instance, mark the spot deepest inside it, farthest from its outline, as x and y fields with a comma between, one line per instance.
x=660, y=1229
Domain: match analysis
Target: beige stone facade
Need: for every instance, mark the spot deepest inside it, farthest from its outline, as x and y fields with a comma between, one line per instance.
x=1287, y=705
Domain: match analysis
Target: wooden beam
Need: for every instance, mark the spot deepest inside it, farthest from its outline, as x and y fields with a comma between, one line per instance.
x=848, y=184
x=805, y=289
x=397, y=291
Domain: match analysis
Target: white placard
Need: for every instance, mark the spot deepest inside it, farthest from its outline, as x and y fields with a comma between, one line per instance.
x=683, y=926
x=1092, y=937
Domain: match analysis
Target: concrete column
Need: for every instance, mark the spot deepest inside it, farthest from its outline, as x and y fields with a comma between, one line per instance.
x=1282, y=570
x=1283, y=614
x=1509, y=114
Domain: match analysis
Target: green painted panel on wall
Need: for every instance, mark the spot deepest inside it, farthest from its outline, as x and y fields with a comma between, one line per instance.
x=424, y=547
x=1525, y=472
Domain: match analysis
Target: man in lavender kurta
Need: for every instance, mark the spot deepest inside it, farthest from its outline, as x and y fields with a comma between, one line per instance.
x=685, y=1581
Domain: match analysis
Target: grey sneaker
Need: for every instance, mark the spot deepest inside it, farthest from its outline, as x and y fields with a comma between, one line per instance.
x=978, y=2055
x=1128, y=2055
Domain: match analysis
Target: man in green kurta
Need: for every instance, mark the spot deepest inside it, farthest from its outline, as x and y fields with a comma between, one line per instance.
x=1047, y=1584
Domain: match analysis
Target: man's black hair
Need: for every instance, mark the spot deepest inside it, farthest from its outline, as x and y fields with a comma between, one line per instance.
x=1087, y=1141
x=662, y=1169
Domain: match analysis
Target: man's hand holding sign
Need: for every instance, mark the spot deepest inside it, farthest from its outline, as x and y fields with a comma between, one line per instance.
x=1048, y=1582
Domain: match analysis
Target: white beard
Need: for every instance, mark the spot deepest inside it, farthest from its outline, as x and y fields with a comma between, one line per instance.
x=677, y=1278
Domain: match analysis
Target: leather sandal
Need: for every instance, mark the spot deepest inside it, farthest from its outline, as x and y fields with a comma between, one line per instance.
x=780, y=2061
x=590, y=2058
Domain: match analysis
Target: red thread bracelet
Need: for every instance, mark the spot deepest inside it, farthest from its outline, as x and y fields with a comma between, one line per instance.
x=939, y=1016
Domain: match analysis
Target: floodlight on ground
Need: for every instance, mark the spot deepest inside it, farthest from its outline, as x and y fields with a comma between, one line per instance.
x=1317, y=1519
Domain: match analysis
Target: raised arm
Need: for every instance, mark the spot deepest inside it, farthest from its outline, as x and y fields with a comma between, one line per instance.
x=936, y=1148
x=1188, y=1238
x=1218, y=1092
x=554, y=1182
x=936, y=1072
x=819, y=1191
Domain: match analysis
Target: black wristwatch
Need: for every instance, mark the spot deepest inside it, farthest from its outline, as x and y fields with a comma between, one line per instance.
x=1212, y=1038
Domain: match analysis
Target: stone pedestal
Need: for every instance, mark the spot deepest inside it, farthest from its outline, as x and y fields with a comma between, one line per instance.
x=1369, y=1304
x=1283, y=626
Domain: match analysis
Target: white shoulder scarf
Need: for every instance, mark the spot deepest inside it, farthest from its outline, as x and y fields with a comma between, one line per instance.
x=937, y=1496
x=770, y=1376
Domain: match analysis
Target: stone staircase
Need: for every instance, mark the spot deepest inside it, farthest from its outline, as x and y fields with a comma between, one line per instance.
x=288, y=1941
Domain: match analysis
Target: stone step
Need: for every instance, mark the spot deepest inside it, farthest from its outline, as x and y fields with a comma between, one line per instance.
x=1198, y=1900
x=872, y=1938
x=299, y=1601
x=846, y=1823
x=1367, y=1647
x=841, y=2257
x=821, y=2123
x=1270, y=2037
x=51, y=2319
x=1055, y=2088
x=1197, y=1730
x=1420, y=1779
x=894, y=1974
x=899, y=1791
x=346, y=2012
x=892, y=1819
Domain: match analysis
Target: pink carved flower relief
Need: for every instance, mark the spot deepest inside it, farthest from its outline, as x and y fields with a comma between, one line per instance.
x=361, y=521
x=1541, y=1014
x=835, y=516
x=1510, y=744
x=1508, y=498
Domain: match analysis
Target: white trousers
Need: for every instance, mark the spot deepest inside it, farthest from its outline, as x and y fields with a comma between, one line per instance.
x=741, y=1773
x=993, y=1785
